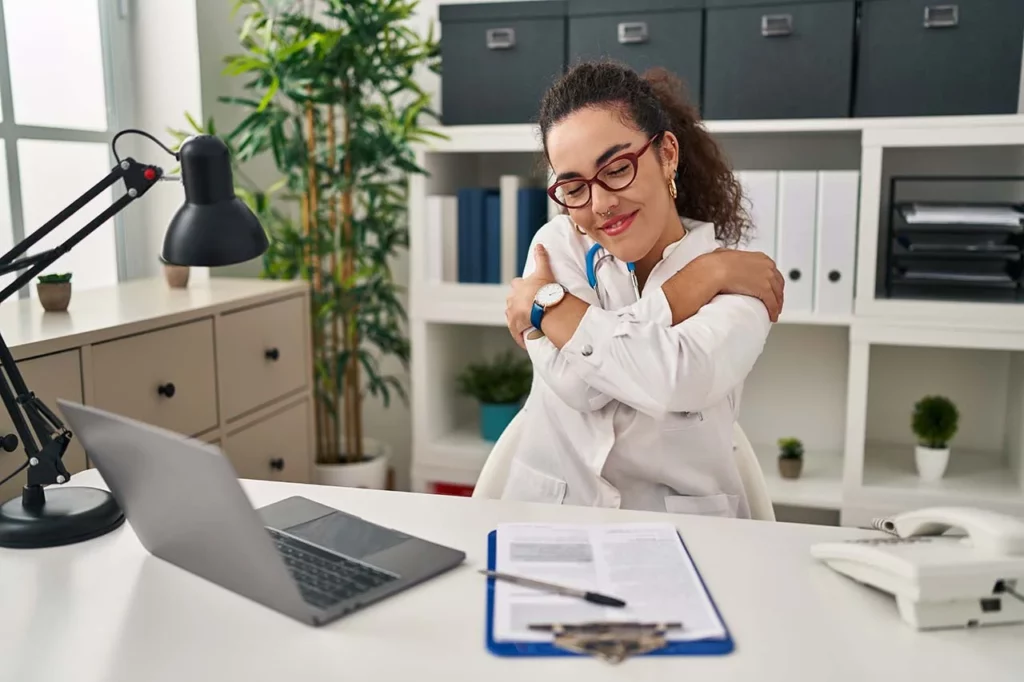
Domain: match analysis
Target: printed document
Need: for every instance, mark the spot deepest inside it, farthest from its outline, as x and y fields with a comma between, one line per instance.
x=931, y=214
x=644, y=564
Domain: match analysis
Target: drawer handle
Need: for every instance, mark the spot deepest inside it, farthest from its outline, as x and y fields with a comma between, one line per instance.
x=501, y=38
x=794, y=274
x=166, y=390
x=271, y=354
x=277, y=464
x=941, y=16
x=633, y=32
x=834, y=276
x=776, y=25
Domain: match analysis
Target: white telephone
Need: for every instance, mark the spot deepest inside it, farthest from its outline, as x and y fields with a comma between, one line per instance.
x=941, y=581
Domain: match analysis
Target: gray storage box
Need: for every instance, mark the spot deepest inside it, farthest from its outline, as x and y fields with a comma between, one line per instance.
x=642, y=34
x=936, y=57
x=498, y=59
x=771, y=59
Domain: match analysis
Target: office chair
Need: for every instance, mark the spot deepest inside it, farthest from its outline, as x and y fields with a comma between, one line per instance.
x=753, y=478
x=491, y=482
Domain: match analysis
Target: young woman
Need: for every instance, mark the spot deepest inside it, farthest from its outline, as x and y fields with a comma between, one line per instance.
x=640, y=326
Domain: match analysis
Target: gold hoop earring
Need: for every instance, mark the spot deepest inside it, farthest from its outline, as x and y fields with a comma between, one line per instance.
x=578, y=229
x=672, y=189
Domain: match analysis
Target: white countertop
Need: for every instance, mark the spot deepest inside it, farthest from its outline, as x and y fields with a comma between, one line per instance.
x=106, y=610
x=126, y=308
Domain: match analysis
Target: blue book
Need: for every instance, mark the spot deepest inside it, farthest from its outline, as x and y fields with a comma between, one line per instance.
x=471, y=234
x=492, y=238
x=531, y=215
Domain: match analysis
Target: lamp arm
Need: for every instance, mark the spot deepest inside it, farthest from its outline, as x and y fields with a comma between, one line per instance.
x=45, y=459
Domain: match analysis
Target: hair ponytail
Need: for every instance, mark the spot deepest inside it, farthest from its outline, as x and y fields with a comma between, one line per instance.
x=708, y=190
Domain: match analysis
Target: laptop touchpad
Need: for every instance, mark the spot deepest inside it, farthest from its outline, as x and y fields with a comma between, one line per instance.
x=348, y=535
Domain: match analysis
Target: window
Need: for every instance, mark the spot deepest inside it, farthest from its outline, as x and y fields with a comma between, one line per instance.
x=58, y=113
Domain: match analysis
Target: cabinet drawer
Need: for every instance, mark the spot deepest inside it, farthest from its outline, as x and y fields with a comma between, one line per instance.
x=934, y=57
x=165, y=378
x=262, y=354
x=49, y=377
x=642, y=34
x=276, y=448
x=768, y=59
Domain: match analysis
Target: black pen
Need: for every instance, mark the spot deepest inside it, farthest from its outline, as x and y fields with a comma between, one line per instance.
x=592, y=597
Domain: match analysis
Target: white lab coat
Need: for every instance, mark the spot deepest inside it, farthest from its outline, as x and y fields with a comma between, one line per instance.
x=632, y=412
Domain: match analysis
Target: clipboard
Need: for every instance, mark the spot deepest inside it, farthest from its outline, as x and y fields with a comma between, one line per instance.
x=698, y=647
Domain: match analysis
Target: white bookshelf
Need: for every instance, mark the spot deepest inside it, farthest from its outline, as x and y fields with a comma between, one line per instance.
x=844, y=384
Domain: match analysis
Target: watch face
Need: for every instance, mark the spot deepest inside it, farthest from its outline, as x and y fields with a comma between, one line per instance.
x=549, y=294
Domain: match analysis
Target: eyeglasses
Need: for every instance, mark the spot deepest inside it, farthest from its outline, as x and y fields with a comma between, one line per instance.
x=614, y=176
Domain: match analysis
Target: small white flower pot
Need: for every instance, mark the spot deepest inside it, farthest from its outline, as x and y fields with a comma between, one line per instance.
x=369, y=472
x=931, y=462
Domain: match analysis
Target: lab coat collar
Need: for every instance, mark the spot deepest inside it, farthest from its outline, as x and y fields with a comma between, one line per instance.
x=698, y=239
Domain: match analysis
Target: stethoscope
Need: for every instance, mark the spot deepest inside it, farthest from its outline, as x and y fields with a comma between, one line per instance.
x=594, y=261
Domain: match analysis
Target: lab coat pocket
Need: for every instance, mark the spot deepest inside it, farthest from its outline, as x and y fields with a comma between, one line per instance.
x=704, y=505
x=526, y=484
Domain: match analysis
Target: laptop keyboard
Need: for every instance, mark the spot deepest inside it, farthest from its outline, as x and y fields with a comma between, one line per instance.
x=324, y=578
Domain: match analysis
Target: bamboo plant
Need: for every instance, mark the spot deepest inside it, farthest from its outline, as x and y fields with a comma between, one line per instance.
x=330, y=93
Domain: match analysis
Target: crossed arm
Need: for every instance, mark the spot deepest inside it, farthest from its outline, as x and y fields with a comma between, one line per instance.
x=680, y=348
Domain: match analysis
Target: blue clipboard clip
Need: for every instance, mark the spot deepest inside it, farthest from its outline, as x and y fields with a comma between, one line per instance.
x=611, y=642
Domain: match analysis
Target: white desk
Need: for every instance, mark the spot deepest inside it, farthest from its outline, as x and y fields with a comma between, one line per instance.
x=106, y=610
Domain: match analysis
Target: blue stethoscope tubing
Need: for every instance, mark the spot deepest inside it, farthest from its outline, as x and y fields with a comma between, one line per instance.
x=593, y=261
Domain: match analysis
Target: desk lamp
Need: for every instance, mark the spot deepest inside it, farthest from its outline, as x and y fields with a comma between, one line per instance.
x=213, y=227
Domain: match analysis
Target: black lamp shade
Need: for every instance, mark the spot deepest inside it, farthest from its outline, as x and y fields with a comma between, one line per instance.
x=213, y=227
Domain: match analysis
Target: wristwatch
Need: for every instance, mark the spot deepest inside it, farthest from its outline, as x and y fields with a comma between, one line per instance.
x=547, y=296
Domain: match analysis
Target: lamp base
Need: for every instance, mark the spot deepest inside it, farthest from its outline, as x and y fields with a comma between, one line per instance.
x=69, y=515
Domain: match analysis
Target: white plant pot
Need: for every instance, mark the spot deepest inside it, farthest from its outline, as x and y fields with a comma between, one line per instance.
x=931, y=462
x=369, y=472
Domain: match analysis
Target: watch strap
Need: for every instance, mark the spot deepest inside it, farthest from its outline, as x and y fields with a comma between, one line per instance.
x=536, y=314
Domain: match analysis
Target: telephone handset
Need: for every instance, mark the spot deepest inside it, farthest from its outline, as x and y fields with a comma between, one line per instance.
x=973, y=576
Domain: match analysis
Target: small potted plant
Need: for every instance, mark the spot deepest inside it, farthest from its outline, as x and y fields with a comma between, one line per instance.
x=791, y=457
x=499, y=385
x=54, y=291
x=935, y=422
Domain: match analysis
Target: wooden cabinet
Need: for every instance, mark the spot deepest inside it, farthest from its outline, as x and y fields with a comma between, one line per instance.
x=225, y=361
x=50, y=377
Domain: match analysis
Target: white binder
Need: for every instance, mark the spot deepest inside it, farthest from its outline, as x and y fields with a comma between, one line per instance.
x=795, y=237
x=760, y=197
x=838, y=201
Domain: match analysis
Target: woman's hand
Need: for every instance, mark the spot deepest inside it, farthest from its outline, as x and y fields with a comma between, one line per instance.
x=724, y=271
x=749, y=273
x=519, y=303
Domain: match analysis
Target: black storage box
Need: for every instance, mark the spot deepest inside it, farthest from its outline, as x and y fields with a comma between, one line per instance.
x=935, y=57
x=642, y=34
x=498, y=59
x=771, y=59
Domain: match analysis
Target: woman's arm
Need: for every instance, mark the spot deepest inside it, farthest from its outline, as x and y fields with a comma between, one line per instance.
x=658, y=370
x=697, y=284
x=648, y=361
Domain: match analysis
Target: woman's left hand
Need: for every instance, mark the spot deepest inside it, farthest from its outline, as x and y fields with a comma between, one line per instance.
x=519, y=303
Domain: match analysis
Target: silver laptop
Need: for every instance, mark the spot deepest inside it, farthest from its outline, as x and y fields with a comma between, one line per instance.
x=303, y=559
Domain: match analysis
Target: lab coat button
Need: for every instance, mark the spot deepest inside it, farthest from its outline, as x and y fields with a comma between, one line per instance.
x=586, y=350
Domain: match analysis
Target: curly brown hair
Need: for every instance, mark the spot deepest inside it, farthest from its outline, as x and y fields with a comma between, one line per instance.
x=655, y=102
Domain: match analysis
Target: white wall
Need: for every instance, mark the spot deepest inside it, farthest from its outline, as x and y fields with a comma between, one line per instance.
x=165, y=83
